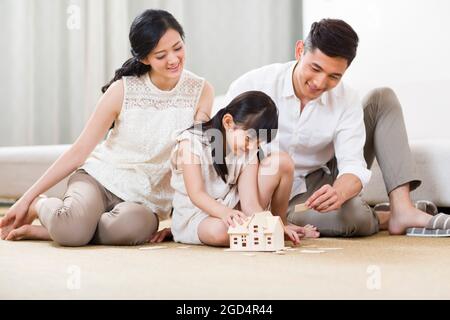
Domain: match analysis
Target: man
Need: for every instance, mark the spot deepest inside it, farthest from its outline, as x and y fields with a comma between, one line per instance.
x=323, y=127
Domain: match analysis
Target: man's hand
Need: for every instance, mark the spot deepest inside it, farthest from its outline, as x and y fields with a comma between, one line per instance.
x=325, y=199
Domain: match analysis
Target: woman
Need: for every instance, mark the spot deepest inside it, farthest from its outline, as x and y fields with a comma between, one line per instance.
x=117, y=194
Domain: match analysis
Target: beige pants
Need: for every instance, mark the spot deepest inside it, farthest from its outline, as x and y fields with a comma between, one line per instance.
x=386, y=139
x=91, y=214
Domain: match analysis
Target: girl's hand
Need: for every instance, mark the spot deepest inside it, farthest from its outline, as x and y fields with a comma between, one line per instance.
x=161, y=235
x=294, y=233
x=232, y=215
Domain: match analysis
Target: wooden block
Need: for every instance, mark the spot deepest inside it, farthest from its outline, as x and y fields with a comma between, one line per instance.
x=301, y=207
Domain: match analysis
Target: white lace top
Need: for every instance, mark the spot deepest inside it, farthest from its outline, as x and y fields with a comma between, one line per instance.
x=133, y=162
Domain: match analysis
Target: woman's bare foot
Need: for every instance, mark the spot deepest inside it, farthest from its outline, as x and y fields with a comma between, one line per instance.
x=9, y=220
x=13, y=214
x=4, y=231
x=29, y=232
x=310, y=231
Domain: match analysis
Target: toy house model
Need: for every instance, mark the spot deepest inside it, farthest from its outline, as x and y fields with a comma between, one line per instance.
x=261, y=232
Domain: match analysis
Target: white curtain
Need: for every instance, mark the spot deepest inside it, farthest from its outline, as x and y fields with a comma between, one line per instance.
x=57, y=54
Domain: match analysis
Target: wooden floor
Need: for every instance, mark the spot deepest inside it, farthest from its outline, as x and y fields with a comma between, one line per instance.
x=377, y=267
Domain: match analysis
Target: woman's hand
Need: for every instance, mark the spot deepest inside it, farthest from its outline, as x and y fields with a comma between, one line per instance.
x=161, y=235
x=233, y=215
x=15, y=217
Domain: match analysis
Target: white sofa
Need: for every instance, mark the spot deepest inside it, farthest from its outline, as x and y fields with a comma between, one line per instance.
x=20, y=167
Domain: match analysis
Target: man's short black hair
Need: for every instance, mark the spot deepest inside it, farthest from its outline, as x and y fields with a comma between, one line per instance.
x=333, y=37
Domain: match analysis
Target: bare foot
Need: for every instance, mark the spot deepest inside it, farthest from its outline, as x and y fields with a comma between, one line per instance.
x=403, y=213
x=4, y=231
x=310, y=231
x=10, y=218
x=407, y=217
x=383, y=218
x=29, y=232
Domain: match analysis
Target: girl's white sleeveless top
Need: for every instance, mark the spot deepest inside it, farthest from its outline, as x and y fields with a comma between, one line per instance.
x=133, y=162
x=187, y=216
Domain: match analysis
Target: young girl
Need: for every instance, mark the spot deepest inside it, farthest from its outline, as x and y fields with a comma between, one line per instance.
x=219, y=181
x=118, y=192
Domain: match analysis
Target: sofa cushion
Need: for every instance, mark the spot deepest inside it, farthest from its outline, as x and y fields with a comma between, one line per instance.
x=20, y=167
x=431, y=158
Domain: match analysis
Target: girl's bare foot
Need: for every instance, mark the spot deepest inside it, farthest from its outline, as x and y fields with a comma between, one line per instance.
x=29, y=232
x=310, y=231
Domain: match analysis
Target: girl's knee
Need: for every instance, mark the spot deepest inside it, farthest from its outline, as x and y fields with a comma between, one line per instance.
x=286, y=163
x=219, y=238
x=214, y=235
x=281, y=160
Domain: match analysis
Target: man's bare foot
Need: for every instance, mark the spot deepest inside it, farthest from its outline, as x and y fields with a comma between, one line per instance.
x=9, y=220
x=310, y=231
x=403, y=213
x=29, y=232
x=407, y=217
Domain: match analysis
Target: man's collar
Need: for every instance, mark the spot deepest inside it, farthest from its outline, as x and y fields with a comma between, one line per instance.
x=288, y=86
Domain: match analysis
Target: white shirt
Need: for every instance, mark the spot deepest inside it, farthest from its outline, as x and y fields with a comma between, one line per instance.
x=331, y=125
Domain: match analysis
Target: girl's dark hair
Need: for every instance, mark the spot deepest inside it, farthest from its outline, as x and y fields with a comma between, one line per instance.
x=333, y=37
x=145, y=33
x=250, y=110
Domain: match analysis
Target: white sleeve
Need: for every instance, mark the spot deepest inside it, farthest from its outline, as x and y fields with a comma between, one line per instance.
x=349, y=141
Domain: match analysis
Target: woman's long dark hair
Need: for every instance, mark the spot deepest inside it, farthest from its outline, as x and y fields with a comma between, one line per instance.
x=145, y=33
x=250, y=110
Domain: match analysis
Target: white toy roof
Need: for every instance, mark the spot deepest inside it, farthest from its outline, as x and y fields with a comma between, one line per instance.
x=264, y=219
